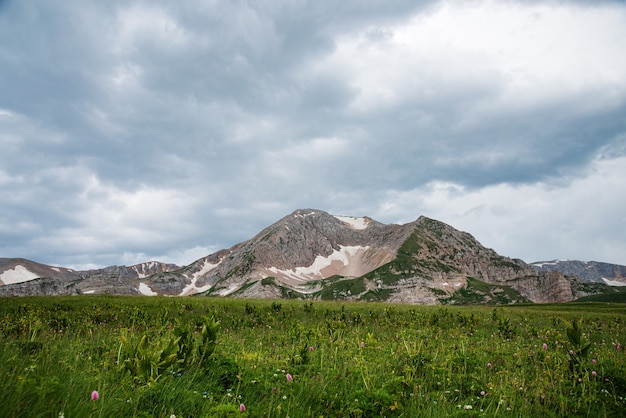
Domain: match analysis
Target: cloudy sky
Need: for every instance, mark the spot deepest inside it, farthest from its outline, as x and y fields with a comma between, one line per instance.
x=166, y=130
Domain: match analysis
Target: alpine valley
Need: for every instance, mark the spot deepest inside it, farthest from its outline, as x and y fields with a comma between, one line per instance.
x=311, y=254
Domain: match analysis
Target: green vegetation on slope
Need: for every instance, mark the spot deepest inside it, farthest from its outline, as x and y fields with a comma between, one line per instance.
x=407, y=264
x=478, y=292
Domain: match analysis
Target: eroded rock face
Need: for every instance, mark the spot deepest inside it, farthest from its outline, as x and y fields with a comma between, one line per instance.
x=57, y=281
x=544, y=288
x=39, y=287
x=309, y=252
x=589, y=271
x=425, y=259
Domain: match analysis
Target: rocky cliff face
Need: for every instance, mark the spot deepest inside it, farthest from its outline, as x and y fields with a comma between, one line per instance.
x=589, y=271
x=312, y=254
x=23, y=277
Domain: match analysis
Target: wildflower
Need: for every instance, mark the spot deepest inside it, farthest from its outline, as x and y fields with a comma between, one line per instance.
x=547, y=358
x=482, y=393
x=545, y=346
x=467, y=407
x=284, y=397
x=311, y=348
x=362, y=344
x=242, y=408
x=594, y=374
x=94, y=395
x=594, y=361
x=571, y=352
x=489, y=365
x=289, y=377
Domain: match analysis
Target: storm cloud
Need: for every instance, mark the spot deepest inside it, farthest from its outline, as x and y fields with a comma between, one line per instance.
x=133, y=131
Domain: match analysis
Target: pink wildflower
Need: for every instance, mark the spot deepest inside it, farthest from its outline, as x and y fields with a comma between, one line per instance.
x=289, y=377
x=242, y=408
x=311, y=348
x=545, y=346
x=94, y=395
x=594, y=374
x=489, y=365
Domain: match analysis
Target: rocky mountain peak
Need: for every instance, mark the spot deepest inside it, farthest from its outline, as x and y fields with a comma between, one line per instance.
x=313, y=254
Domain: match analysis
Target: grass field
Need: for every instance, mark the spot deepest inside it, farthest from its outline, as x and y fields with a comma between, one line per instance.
x=219, y=357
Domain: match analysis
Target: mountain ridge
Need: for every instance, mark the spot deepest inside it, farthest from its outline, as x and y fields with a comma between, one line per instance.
x=312, y=254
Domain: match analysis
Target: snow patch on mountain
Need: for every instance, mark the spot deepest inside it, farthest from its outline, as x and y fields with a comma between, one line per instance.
x=139, y=274
x=343, y=257
x=356, y=223
x=145, y=290
x=206, y=267
x=614, y=282
x=303, y=214
x=191, y=288
x=549, y=263
x=230, y=289
x=18, y=274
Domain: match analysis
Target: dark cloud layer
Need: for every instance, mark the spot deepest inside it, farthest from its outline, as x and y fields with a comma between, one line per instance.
x=140, y=130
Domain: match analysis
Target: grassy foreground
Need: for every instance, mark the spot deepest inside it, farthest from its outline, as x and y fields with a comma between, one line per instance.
x=209, y=357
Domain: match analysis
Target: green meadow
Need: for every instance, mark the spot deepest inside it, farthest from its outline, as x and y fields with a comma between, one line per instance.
x=100, y=356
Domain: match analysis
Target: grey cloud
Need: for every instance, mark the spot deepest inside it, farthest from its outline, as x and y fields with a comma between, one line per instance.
x=242, y=112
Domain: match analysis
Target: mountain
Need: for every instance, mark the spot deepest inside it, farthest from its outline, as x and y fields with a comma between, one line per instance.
x=590, y=271
x=312, y=254
x=22, y=277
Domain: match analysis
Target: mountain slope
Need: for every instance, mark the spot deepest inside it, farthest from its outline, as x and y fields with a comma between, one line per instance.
x=312, y=254
x=302, y=247
x=23, y=277
x=590, y=271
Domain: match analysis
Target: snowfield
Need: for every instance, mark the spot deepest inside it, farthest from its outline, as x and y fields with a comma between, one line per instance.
x=191, y=288
x=613, y=282
x=145, y=290
x=339, y=259
x=356, y=223
x=19, y=274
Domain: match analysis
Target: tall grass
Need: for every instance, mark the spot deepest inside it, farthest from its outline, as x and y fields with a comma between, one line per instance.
x=299, y=359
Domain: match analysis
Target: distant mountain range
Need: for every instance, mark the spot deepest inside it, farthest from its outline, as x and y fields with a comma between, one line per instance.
x=590, y=271
x=311, y=254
